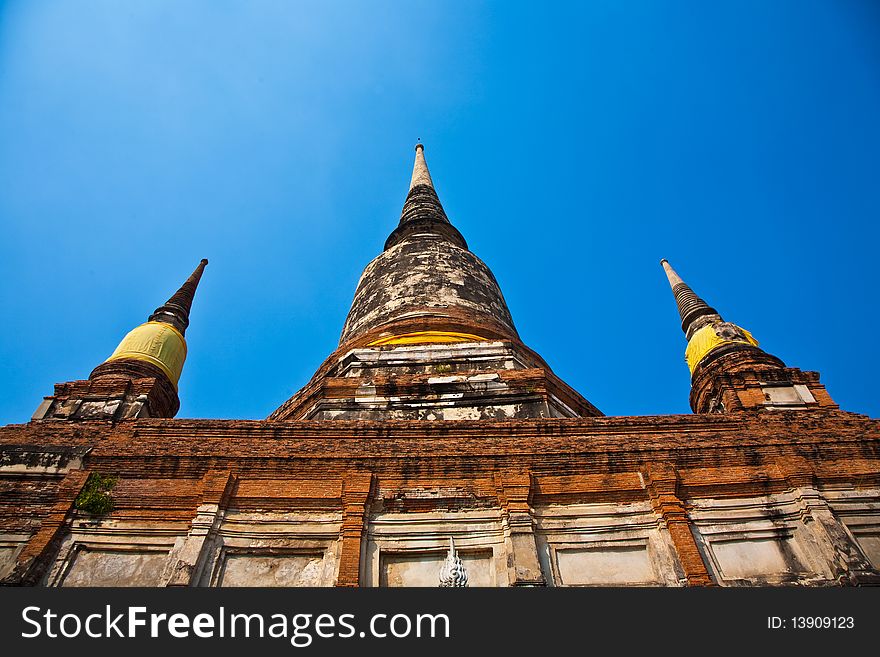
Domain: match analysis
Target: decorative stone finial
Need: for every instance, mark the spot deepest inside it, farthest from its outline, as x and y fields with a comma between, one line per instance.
x=453, y=573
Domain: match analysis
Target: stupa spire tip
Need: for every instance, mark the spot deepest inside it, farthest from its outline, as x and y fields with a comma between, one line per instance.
x=690, y=306
x=420, y=174
x=176, y=310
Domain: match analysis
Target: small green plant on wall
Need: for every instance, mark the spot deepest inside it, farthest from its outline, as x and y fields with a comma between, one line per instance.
x=95, y=497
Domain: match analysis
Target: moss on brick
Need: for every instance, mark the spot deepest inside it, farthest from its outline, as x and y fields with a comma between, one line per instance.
x=95, y=497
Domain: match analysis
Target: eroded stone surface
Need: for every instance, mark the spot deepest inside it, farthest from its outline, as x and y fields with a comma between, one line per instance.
x=115, y=568
x=425, y=274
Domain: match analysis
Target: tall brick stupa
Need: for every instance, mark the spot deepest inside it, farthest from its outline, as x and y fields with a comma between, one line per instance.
x=434, y=448
x=429, y=336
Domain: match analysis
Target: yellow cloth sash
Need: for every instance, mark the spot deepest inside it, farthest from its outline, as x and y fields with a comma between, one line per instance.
x=706, y=340
x=156, y=343
x=423, y=337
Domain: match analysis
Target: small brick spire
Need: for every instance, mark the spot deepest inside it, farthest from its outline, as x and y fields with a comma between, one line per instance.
x=690, y=306
x=175, y=311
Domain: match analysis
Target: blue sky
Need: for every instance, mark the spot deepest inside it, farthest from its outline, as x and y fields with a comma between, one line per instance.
x=573, y=145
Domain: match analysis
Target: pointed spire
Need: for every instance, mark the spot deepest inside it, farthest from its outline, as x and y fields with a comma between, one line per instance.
x=175, y=311
x=420, y=175
x=422, y=202
x=158, y=344
x=690, y=306
x=422, y=210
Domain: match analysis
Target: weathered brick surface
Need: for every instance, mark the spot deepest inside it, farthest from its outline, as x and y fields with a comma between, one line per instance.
x=538, y=376
x=167, y=468
x=186, y=474
x=355, y=500
x=116, y=390
x=734, y=377
x=662, y=483
x=34, y=559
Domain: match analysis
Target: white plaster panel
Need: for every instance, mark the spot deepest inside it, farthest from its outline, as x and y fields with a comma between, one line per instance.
x=605, y=544
x=272, y=570
x=767, y=540
x=859, y=510
x=407, y=549
x=756, y=558
x=781, y=394
x=609, y=565
x=423, y=569
x=115, y=568
x=261, y=548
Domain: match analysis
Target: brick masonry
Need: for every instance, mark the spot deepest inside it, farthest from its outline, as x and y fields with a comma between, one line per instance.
x=363, y=468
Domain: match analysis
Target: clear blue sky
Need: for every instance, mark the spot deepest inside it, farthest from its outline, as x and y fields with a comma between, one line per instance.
x=573, y=145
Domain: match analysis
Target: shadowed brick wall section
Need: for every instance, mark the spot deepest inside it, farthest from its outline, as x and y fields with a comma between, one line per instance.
x=35, y=558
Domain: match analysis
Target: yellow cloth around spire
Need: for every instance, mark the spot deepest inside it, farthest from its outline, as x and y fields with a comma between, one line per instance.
x=706, y=340
x=426, y=337
x=157, y=343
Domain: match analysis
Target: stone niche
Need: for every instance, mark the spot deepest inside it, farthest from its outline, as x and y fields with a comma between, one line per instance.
x=423, y=568
x=769, y=557
x=114, y=553
x=605, y=565
x=261, y=548
x=256, y=568
x=408, y=549
x=605, y=545
x=121, y=567
x=760, y=540
x=859, y=512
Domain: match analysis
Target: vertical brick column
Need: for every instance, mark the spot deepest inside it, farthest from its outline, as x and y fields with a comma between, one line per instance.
x=36, y=558
x=662, y=486
x=514, y=494
x=356, y=495
x=189, y=555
